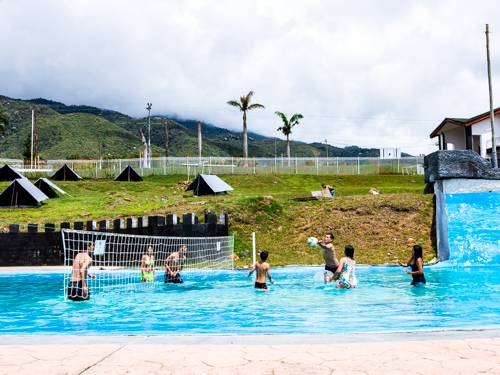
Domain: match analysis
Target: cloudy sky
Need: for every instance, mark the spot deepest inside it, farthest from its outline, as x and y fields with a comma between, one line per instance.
x=370, y=73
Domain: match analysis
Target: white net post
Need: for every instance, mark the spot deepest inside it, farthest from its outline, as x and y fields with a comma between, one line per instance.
x=116, y=259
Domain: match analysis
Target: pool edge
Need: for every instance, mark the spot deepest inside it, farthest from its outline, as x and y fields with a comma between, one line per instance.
x=250, y=339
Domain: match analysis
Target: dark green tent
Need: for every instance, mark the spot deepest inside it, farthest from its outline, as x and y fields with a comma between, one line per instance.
x=128, y=174
x=22, y=193
x=7, y=173
x=50, y=189
x=208, y=184
x=65, y=173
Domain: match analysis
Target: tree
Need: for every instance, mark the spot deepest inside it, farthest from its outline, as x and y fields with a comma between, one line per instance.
x=27, y=148
x=4, y=119
x=286, y=129
x=244, y=106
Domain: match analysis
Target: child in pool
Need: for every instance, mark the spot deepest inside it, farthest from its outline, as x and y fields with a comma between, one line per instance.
x=347, y=270
x=262, y=268
x=416, y=263
x=148, y=266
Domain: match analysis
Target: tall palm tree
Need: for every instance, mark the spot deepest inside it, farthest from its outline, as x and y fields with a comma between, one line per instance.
x=286, y=129
x=244, y=105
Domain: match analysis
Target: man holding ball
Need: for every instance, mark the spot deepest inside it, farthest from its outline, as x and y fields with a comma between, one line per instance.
x=330, y=256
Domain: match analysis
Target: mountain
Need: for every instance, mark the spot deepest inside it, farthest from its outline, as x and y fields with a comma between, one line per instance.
x=81, y=131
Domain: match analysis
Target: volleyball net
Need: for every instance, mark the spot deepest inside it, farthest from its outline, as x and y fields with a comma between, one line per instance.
x=136, y=261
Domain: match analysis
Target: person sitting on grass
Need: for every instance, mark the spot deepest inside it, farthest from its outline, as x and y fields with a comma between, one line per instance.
x=416, y=263
x=262, y=268
x=330, y=257
x=148, y=266
x=328, y=190
x=347, y=270
x=78, y=289
x=174, y=264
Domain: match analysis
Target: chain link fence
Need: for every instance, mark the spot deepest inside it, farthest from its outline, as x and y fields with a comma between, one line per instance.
x=190, y=166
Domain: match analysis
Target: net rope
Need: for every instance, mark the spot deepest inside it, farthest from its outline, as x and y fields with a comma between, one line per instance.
x=117, y=258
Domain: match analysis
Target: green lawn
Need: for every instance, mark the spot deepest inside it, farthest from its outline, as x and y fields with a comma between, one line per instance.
x=382, y=228
x=105, y=199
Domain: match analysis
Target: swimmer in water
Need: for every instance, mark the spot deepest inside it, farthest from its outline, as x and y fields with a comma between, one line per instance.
x=416, y=263
x=148, y=266
x=262, y=268
x=174, y=265
x=78, y=289
x=347, y=270
x=330, y=257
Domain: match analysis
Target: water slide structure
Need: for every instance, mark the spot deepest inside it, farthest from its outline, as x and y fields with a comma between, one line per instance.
x=467, y=193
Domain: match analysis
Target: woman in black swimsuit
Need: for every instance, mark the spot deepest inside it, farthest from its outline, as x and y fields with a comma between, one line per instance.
x=416, y=263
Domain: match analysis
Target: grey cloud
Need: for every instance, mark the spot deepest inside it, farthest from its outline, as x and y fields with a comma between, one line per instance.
x=367, y=73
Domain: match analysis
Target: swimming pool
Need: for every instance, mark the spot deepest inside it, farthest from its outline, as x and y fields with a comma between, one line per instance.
x=226, y=303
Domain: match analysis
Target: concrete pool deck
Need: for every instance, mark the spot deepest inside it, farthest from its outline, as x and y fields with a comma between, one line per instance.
x=440, y=352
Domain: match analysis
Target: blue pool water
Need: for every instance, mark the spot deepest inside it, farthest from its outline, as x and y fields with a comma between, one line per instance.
x=473, y=221
x=226, y=303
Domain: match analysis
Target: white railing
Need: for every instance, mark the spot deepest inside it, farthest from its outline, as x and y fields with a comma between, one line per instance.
x=190, y=166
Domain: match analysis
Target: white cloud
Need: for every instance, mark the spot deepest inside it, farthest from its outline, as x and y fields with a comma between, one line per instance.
x=370, y=73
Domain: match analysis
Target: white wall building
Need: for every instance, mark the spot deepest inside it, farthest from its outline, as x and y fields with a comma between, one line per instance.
x=468, y=133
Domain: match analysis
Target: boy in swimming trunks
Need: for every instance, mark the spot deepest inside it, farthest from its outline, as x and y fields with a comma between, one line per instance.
x=330, y=257
x=148, y=266
x=174, y=264
x=78, y=289
x=262, y=268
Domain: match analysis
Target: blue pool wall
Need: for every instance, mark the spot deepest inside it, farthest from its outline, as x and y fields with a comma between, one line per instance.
x=468, y=220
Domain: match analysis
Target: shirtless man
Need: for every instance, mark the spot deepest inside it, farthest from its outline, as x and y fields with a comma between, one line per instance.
x=262, y=268
x=174, y=264
x=331, y=261
x=78, y=289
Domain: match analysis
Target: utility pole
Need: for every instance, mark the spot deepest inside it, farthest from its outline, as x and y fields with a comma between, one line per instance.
x=32, y=136
x=494, y=159
x=148, y=107
x=326, y=147
x=200, y=142
x=166, y=138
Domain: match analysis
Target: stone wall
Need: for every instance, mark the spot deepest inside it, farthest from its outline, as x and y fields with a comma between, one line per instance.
x=43, y=245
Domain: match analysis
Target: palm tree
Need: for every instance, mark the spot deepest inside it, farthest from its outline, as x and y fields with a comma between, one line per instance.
x=286, y=129
x=244, y=105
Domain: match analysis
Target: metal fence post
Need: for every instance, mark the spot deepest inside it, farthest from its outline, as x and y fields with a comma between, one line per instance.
x=317, y=166
x=358, y=166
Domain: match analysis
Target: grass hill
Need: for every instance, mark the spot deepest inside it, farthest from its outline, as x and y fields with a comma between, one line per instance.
x=381, y=227
x=80, y=131
x=72, y=135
